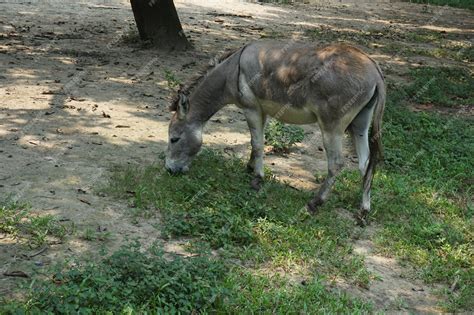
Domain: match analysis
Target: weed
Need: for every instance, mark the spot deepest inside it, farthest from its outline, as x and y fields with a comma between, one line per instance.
x=171, y=79
x=129, y=281
x=282, y=136
x=11, y=214
x=16, y=220
x=465, y=53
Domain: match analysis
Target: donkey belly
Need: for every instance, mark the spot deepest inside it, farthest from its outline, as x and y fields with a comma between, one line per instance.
x=287, y=113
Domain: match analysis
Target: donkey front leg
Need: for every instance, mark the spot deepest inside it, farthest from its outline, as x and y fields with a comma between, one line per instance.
x=256, y=122
x=333, y=145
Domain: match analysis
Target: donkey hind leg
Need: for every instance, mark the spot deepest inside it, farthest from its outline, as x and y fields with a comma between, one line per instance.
x=359, y=129
x=256, y=122
x=333, y=144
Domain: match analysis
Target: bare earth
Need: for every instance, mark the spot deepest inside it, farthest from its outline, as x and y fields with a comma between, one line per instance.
x=76, y=99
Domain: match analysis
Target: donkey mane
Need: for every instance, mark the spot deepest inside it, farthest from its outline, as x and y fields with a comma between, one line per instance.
x=202, y=73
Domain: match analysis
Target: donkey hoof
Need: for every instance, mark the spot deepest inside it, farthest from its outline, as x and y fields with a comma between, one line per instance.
x=311, y=208
x=249, y=168
x=257, y=183
x=362, y=218
x=313, y=205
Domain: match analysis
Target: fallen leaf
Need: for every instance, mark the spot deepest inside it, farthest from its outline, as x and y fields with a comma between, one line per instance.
x=85, y=201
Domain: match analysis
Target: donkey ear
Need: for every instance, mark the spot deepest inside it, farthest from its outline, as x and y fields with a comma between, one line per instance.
x=183, y=106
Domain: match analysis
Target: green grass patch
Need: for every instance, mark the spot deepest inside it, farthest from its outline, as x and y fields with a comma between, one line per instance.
x=422, y=197
x=134, y=281
x=465, y=53
x=172, y=80
x=424, y=36
x=463, y=4
x=16, y=220
x=441, y=86
x=263, y=294
x=425, y=211
x=130, y=281
x=214, y=203
x=214, y=206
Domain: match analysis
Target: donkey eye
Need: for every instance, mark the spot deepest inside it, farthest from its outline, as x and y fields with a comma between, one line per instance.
x=174, y=140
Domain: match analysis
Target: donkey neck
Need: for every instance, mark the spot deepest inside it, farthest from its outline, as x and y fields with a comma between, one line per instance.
x=209, y=96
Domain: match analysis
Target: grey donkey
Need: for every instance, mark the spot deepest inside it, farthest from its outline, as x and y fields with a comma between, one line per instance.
x=337, y=86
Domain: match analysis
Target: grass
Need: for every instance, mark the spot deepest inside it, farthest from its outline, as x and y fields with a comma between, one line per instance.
x=133, y=281
x=445, y=86
x=263, y=294
x=463, y=4
x=424, y=201
x=17, y=221
x=215, y=204
x=433, y=172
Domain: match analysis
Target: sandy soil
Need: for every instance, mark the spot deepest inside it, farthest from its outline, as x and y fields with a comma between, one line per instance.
x=77, y=99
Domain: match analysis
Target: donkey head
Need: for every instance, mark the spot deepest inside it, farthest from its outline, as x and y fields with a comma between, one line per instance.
x=185, y=137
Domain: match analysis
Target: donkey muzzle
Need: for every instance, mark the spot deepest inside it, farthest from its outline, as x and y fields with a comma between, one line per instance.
x=173, y=168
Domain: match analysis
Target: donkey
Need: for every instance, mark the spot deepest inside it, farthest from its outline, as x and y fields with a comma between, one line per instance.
x=337, y=86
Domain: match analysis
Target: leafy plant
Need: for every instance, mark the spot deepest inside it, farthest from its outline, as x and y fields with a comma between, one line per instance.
x=171, y=79
x=129, y=281
x=282, y=136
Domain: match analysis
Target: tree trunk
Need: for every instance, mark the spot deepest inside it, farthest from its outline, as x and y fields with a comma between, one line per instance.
x=158, y=21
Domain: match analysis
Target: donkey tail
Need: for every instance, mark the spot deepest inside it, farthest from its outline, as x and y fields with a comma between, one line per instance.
x=375, y=135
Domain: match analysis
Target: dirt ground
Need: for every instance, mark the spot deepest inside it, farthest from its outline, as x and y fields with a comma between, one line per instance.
x=78, y=96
